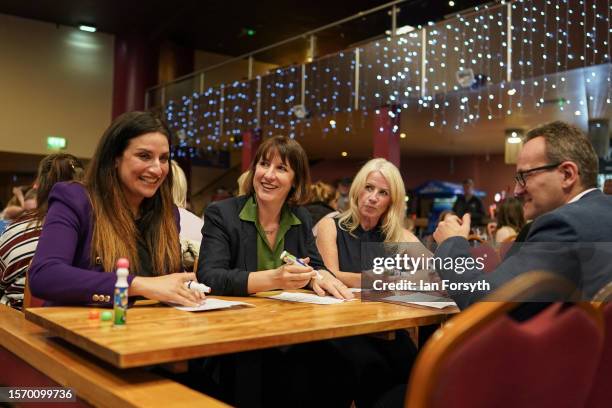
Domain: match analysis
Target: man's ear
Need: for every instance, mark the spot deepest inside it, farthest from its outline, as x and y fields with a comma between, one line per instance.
x=570, y=173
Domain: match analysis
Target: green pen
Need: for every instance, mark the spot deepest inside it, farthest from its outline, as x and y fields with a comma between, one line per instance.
x=286, y=257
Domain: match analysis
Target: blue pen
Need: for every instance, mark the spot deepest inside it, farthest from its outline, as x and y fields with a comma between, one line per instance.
x=286, y=257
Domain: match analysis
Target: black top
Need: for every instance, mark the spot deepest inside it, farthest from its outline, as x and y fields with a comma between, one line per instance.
x=350, y=256
x=144, y=256
x=228, y=253
x=318, y=210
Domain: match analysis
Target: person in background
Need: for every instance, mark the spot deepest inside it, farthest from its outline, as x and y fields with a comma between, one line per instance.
x=124, y=209
x=18, y=243
x=469, y=203
x=242, y=188
x=17, y=205
x=323, y=200
x=510, y=219
x=191, y=224
x=343, y=186
x=607, y=187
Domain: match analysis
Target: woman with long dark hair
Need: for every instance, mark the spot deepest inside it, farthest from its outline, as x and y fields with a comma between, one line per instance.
x=123, y=210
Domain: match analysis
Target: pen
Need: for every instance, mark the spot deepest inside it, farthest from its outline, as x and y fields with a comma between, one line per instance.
x=193, y=285
x=286, y=257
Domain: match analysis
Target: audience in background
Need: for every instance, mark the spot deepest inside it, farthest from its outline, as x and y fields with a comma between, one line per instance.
x=323, y=200
x=242, y=188
x=343, y=186
x=510, y=219
x=607, y=187
x=191, y=225
x=124, y=210
x=469, y=203
x=18, y=243
x=24, y=199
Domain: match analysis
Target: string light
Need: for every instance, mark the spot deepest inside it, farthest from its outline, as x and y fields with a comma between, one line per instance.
x=394, y=72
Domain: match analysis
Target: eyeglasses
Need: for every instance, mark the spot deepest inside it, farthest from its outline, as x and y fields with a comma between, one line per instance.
x=520, y=177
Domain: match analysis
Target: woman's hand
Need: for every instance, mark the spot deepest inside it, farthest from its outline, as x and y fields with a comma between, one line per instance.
x=169, y=288
x=329, y=284
x=293, y=276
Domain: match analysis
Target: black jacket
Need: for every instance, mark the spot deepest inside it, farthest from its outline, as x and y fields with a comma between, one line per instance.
x=228, y=253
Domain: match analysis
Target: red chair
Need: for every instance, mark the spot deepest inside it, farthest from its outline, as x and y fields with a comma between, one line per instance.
x=601, y=393
x=484, y=358
x=489, y=256
x=505, y=246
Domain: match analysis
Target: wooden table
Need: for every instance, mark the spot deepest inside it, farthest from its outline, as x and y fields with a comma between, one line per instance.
x=30, y=357
x=159, y=334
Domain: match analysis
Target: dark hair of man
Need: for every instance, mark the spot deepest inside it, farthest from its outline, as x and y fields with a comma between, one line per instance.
x=566, y=142
x=292, y=153
x=115, y=232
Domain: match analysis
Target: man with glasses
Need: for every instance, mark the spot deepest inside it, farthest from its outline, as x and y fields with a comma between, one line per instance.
x=556, y=180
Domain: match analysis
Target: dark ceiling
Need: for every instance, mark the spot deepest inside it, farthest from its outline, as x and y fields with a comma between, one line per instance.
x=221, y=26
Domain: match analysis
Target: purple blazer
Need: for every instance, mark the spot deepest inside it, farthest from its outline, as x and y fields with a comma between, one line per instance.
x=62, y=271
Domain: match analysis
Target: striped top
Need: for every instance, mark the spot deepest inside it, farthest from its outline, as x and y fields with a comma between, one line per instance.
x=17, y=246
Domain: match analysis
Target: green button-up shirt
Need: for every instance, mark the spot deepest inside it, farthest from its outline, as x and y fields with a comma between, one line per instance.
x=269, y=257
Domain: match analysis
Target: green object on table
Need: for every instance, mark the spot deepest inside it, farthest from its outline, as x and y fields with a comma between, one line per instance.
x=107, y=315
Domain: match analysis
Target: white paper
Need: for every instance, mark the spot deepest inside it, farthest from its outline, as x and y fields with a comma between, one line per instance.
x=212, y=304
x=307, y=298
x=423, y=299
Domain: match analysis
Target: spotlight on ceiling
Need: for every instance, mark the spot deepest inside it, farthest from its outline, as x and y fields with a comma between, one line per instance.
x=88, y=28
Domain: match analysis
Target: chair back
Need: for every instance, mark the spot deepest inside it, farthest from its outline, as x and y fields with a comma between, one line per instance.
x=505, y=246
x=484, y=358
x=28, y=299
x=488, y=254
x=601, y=392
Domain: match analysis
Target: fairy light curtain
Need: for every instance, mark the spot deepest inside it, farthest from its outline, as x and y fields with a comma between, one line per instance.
x=494, y=61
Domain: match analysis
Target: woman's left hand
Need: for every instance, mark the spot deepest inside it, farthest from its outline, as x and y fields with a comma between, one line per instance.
x=328, y=283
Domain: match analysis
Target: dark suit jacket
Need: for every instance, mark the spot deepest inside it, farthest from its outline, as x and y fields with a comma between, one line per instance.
x=574, y=240
x=228, y=253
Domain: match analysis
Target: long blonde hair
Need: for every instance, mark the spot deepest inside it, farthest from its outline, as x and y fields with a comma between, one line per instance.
x=179, y=185
x=392, y=219
x=115, y=233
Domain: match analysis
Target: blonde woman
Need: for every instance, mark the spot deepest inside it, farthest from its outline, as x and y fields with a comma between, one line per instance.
x=191, y=225
x=375, y=214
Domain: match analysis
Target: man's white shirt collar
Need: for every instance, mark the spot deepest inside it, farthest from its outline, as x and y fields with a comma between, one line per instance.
x=580, y=195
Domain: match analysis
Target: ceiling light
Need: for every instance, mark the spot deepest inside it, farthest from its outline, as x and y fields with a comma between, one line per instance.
x=401, y=30
x=511, y=91
x=451, y=3
x=344, y=154
x=88, y=28
x=402, y=135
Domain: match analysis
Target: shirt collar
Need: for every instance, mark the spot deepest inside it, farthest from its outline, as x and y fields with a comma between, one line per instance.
x=249, y=213
x=580, y=195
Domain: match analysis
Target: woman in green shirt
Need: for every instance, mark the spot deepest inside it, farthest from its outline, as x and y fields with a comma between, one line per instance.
x=244, y=236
